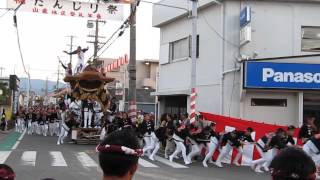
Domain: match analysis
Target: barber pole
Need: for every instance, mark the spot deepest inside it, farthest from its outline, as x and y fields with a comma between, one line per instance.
x=193, y=105
x=133, y=111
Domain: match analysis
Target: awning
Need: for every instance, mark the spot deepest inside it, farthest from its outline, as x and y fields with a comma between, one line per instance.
x=172, y=92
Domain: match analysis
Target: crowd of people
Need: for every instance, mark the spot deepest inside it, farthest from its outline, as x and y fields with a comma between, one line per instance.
x=181, y=138
x=176, y=134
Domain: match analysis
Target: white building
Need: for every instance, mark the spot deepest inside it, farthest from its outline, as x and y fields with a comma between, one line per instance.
x=282, y=31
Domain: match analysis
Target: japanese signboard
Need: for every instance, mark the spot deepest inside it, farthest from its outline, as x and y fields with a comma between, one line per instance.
x=105, y=11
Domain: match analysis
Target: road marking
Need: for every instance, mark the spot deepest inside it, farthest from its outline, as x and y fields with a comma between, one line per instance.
x=28, y=158
x=86, y=160
x=167, y=162
x=57, y=159
x=22, y=135
x=147, y=164
x=4, y=156
x=15, y=145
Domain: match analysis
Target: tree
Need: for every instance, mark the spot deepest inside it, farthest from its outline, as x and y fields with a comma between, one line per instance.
x=5, y=93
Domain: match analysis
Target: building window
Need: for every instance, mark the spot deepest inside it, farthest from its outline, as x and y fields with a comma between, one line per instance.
x=310, y=39
x=181, y=49
x=269, y=102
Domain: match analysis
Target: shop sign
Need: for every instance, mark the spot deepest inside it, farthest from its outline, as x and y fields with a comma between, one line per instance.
x=103, y=11
x=268, y=75
x=245, y=16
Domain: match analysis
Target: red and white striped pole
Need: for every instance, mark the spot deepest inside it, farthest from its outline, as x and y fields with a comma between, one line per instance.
x=193, y=98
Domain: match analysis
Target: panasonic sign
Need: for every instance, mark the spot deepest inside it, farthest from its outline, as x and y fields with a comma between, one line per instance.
x=281, y=75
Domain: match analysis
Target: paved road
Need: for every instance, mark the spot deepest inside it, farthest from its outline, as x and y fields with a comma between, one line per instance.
x=37, y=157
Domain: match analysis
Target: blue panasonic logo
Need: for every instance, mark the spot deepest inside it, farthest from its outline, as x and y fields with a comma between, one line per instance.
x=269, y=74
x=264, y=75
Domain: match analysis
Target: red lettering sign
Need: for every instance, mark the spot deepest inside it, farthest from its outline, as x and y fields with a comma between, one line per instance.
x=45, y=11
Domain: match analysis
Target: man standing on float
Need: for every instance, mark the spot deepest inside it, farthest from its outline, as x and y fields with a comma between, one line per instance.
x=80, y=52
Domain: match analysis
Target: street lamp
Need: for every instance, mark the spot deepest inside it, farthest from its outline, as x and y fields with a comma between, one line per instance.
x=1, y=91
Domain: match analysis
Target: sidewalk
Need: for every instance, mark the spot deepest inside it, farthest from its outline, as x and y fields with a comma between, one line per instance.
x=5, y=134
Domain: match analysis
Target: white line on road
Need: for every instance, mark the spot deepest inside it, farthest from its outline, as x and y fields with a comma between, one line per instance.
x=86, y=160
x=28, y=158
x=147, y=164
x=4, y=156
x=15, y=145
x=167, y=162
x=22, y=135
x=57, y=159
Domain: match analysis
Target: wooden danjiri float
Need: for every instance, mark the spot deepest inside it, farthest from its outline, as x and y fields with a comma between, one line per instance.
x=89, y=84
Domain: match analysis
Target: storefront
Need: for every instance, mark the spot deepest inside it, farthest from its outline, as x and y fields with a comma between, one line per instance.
x=281, y=91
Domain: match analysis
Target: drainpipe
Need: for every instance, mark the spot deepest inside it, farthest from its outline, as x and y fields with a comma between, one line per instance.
x=222, y=58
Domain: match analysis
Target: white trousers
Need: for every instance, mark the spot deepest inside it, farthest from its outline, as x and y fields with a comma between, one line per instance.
x=266, y=157
x=97, y=119
x=29, y=130
x=57, y=128
x=149, y=143
x=20, y=125
x=63, y=134
x=155, y=150
x=195, y=150
x=170, y=147
x=226, y=150
x=34, y=127
x=87, y=116
x=156, y=145
x=51, y=129
x=211, y=149
x=312, y=151
x=180, y=147
x=44, y=129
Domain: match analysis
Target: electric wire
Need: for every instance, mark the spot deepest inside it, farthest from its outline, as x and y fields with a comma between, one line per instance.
x=2, y=15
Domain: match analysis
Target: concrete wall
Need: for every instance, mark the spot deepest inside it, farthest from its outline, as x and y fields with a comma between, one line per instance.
x=275, y=115
x=277, y=27
x=143, y=71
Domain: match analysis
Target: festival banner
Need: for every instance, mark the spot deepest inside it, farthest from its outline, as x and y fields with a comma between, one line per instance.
x=101, y=11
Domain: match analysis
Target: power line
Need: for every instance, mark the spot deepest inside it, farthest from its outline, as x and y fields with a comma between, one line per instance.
x=124, y=25
x=165, y=5
x=119, y=35
x=216, y=32
x=2, y=15
x=105, y=43
x=18, y=37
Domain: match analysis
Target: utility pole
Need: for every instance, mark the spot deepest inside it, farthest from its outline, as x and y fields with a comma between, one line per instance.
x=1, y=69
x=71, y=45
x=28, y=88
x=193, y=84
x=96, y=41
x=46, y=90
x=96, y=38
x=57, y=85
x=132, y=63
